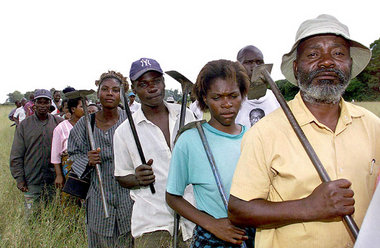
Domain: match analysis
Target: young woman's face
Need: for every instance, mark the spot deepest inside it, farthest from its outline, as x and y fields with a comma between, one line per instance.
x=223, y=99
x=109, y=93
x=78, y=110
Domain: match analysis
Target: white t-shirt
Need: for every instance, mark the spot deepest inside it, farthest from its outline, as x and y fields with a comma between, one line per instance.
x=198, y=113
x=20, y=113
x=150, y=211
x=56, y=110
x=252, y=111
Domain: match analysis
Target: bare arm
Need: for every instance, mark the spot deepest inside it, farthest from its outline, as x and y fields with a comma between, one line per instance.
x=221, y=228
x=327, y=201
x=59, y=178
x=15, y=120
x=129, y=181
x=143, y=177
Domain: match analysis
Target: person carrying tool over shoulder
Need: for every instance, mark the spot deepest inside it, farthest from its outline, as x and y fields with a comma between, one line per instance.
x=275, y=186
x=220, y=87
x=157, y=124
x=263, y=100
x=114, y=231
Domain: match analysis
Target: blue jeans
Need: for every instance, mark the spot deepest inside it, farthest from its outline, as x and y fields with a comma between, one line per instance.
x=36, y=194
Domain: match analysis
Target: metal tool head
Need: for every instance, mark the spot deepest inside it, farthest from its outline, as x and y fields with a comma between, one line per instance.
x=258, y=85
x=186, y=84
x=186, y=127
x=78, y=93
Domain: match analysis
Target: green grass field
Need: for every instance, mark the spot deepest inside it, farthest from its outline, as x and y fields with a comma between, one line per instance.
x=53, y=228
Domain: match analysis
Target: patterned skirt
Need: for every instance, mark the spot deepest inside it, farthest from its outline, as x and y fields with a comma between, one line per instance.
x=66, y=164
x=204, y=239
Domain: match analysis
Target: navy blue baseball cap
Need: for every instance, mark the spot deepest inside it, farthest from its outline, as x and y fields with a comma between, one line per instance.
x=139, y=67
x=42, y=93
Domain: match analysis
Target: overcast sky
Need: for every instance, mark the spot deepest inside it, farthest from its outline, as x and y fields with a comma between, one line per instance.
x=47, y=44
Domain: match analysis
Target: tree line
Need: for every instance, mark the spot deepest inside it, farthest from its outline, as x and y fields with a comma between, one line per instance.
x=17, y=95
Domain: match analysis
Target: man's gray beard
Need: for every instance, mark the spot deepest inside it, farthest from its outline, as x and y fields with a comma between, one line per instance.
x=326, y=91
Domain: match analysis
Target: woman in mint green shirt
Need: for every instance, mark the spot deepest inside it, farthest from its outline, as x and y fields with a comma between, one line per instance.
x=221, y=85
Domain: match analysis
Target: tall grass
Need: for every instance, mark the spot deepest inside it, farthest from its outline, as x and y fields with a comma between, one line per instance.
x=52, y=227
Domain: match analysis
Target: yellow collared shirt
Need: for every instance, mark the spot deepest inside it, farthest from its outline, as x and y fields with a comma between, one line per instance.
x=274, y=166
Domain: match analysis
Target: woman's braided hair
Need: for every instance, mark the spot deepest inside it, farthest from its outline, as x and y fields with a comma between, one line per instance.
x=113, y=74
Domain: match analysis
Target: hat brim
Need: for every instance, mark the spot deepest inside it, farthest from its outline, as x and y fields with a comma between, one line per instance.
x=360, y=54
x=140, y=73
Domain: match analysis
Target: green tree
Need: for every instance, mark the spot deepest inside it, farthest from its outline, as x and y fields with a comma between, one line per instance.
x=288, y=90
x=27, y=94
x=174, y=93
x=356, y=90
x=14, y=96
x=370, y=76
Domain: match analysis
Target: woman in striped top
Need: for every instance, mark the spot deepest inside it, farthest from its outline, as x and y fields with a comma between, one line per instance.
x=114, y=231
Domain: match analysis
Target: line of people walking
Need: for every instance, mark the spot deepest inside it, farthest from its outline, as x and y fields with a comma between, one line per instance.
x=240, y=179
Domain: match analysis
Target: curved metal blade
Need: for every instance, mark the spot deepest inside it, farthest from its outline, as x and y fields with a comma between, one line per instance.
x=79, y=93
x=184, y=81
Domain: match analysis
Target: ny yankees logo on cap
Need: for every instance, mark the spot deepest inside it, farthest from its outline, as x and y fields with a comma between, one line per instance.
x=145, y=62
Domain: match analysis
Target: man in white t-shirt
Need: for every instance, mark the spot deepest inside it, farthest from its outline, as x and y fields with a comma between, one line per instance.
x=157, y=123
x=254, y=109
x=19, y=114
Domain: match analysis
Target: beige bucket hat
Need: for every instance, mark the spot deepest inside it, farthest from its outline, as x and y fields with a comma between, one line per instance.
x=325, y=24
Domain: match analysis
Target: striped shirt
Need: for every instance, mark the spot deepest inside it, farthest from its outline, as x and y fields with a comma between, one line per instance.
x=118, y=199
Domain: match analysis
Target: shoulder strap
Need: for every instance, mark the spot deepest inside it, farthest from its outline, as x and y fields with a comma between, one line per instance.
x=92, y=121
x=87, y=172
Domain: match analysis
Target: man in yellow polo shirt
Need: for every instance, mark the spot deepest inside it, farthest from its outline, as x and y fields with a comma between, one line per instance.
x=275, y=186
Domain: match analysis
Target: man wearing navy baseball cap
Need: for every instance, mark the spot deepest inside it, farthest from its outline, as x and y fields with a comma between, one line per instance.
x=30, y=155
x=157, y=124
